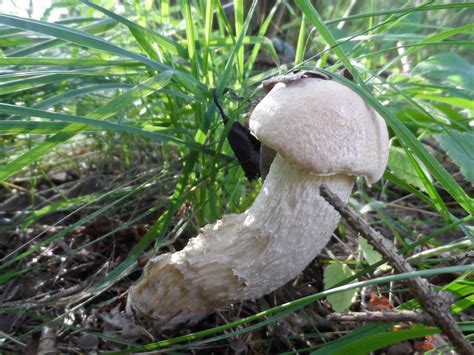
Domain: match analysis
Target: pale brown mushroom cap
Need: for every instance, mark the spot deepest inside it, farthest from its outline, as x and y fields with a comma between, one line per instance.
x=324, y=127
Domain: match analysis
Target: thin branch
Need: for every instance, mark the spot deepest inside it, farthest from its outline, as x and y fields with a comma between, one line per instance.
x=436, y=304
x=47, y=298
x=382, y=317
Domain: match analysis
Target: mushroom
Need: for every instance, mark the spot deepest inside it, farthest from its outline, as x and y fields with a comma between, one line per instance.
x=323, y=133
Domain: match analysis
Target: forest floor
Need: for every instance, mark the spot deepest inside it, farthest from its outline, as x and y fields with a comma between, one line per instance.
x=58, y=273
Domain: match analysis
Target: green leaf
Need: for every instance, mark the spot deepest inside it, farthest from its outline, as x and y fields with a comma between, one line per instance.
x=447, y=67
x=455, y=101
x=463, y=304
x=401, y=166
x=84, y=90
x=89, y=62
x=30, y=83
x=250, y=61
x=308, y=9
x=78, y=37
x=333, y=275
x=461, y=287
x=30, y=127
x=144, y=35
x=371, y=343
x=45, y=127
x=105, y=125
x=430, y=7
x=94, y=28
x=437, y=37
x=370, y=254
x=141, y=90
x=359, y=333
x=460, y=148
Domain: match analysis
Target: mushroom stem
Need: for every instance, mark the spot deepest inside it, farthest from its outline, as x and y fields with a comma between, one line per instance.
x=243, y=256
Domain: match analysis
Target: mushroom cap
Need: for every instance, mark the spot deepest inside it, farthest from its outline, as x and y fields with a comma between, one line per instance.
x=324, y=127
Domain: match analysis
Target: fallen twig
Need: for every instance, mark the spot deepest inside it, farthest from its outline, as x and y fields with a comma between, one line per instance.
x=47, y=298
x=436, y=304
x=382, y=317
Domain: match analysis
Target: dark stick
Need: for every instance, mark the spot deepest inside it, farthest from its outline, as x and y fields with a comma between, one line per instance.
x=382, y=317
x=436, y=304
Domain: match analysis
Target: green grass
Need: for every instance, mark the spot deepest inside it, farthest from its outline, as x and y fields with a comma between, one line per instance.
x=137, y=81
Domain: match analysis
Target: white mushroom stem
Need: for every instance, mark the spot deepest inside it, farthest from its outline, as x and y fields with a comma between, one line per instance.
x=243, y=256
